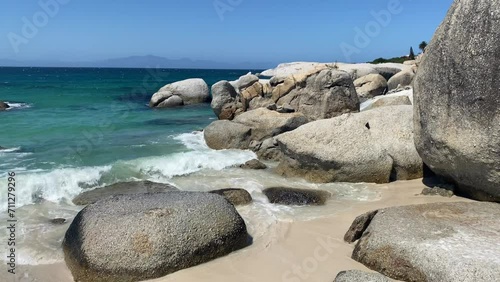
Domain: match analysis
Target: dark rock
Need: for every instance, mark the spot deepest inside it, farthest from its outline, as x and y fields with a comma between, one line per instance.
x=360, y=276
x=296, y=197
x=237, y=197
x=433, y=242
x=359, y=226
x=145, y=236
x=253, y=164
x=58, y=221
x=122, y=188
x=437, y=191
x=457, y=101
x=3, y=106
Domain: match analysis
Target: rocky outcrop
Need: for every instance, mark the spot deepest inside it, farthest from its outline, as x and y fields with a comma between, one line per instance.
x=318, y=92
x=144, y=236
x=371, y=146
x=288, y=69
x=326, y=94
x=457, y=101
x=360, y=276
x=370, y=86
x=433, y=242
x=4, y=106
x=185, y=92
x=122, y=188
x=296, y=197
x=251, y=129
x=237, y=197
x=253, y=164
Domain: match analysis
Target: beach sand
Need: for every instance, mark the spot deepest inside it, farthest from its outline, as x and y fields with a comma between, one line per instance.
x=292, y=251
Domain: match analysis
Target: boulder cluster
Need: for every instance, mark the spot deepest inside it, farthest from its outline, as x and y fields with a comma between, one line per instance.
x=330, y=123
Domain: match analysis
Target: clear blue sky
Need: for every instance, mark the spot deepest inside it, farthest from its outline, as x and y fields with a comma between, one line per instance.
x=251, y=30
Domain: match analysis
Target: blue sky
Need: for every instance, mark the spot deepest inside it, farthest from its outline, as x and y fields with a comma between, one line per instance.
x=236, y=31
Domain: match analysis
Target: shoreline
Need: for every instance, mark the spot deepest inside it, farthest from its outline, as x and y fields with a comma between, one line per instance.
x=293, y=243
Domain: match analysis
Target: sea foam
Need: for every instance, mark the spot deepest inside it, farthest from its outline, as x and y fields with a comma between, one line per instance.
x=63, y=184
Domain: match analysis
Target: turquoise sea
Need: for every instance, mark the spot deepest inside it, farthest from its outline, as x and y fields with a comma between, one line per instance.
x=81, y=118
x=70, y=130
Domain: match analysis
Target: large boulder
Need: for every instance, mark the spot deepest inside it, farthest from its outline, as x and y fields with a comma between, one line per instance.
x=191, y=91
x=122, y=188
x=370, y=85
x=224, y=100
x=371, y=146
x=457, y=100
x=325, y=94
x=266, y=123
x=401, y=79
x=4, y=106
x=296, y=197
x=251, y=129
x=237, y=197
x=225, y=134
x=433, y=242
x=144, y=236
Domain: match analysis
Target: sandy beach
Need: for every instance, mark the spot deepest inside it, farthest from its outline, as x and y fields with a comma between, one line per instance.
x=289, y=251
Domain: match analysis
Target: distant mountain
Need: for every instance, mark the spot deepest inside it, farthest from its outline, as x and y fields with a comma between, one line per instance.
x=141, y=62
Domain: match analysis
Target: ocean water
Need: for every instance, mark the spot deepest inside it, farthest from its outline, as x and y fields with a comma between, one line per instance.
x=70, y=130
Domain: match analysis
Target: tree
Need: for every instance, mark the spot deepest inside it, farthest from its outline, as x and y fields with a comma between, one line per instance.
x=422, y=46
x=412, y=54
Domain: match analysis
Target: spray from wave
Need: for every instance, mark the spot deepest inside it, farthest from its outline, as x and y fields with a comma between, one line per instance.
x=18, y=105
x=63, y=184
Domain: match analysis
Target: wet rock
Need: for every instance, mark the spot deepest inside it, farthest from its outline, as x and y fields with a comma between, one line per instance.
x=145, y=236
x=437, y=191
x=3, y=106
x=359, y=226
x=58, y=221
x=237, y=197
x=296, y=197
x=253, y=164
x=122, y=188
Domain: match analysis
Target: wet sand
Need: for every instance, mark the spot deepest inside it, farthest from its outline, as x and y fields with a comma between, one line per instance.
x=290, y=251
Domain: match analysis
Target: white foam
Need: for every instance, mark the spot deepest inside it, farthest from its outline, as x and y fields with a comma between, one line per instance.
x=18, y=105
x=55, y=186
x=167, y=167
x=10, y=150
x=193, y=141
